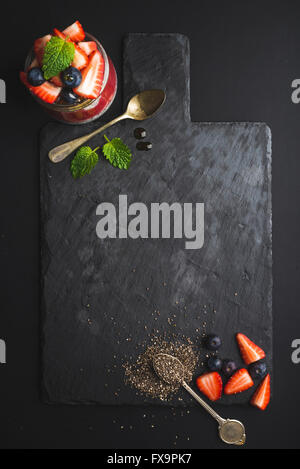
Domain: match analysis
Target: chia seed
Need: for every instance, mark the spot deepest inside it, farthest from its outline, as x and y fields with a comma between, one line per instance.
x=141, y=375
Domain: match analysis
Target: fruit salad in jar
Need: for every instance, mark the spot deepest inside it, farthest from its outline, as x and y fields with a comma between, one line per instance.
x=69, y=73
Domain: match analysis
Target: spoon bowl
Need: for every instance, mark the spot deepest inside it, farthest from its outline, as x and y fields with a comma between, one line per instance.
x=168, y=368
x=232, y=432
x=143, y=105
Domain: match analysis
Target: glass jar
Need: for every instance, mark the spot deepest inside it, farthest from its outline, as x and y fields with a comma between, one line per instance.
x=86, y=110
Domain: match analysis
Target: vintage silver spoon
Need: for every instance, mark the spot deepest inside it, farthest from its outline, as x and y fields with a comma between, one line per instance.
x=141, y=106
x=171, y=370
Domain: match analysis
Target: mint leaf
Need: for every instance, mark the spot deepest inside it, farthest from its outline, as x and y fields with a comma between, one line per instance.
x=118, y=154
x=58, y=55
x=84, y=161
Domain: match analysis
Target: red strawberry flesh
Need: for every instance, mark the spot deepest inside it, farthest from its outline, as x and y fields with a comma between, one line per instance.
x=88, y=46
x=57, y=81
x=240, y=381
x=92, y=77
x=210, y=384
x=47, y=92
x=39, y=47
x=75, y=32
x=249, y=350
x=261, y=397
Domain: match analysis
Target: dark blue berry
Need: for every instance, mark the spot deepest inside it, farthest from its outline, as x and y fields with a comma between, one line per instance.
x=228, y=367
x=71, y=77
x=69, y=96
x=258, y=370
x=213, y=342
x=35, y=76
x=214, y=364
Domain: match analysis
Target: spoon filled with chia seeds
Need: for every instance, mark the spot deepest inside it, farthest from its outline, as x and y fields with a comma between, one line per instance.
x=170, y=370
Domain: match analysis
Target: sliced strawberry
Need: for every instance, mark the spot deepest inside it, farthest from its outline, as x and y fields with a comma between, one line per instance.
x=249, y=350
x=47, y=92
x=57, y=81
x=80, y=58
x=261, y=397
x=75, y=32
x=92, y=77
x=39, y=47
x=211, y=385
x=58, y=33
x=240, y=381
x=88, y=46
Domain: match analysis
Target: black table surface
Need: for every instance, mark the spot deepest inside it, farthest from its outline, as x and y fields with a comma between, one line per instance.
x=244, y=57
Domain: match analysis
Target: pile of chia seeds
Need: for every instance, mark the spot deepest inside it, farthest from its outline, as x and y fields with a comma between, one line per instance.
x=141, y=375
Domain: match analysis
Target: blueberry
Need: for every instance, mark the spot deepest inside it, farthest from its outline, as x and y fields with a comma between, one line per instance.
x=71, y=77
x=213, y=342
x=35, y=76
x=228, y=367
x=258, y=370
x=69, y=96
x=214, y=364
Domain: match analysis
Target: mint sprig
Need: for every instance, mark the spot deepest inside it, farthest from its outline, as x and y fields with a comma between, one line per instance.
x=58, y=55
x=84, y=161
x=117, y=153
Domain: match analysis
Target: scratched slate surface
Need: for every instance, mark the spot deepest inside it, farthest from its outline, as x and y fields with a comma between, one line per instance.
x=99, y=297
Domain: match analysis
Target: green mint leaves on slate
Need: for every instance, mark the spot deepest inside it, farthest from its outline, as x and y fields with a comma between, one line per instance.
x=58, y=55
x=117, y=153
x=84, y=161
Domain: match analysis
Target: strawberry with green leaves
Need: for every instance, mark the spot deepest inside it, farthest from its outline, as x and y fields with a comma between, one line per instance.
x=61, y=51
x=80, y=59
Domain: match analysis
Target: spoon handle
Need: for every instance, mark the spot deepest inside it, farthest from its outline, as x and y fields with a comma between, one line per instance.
x=60, y=152
x=207, y=407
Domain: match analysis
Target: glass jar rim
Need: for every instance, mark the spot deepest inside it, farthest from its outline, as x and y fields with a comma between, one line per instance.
x=85, y=102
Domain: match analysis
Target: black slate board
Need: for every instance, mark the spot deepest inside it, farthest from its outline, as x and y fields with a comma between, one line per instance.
x=98, y=295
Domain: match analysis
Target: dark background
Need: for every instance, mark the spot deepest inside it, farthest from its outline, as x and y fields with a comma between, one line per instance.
x=244, y=56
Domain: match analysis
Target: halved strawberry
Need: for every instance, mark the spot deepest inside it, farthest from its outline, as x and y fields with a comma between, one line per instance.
x=261, y=397
x=80, y=58
x=88, y=46
x=39, y=47
x=211, y=385
x=240, y=381
x=75, y=32
x=47, y=92
x=92, y=77
x=249, y=350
